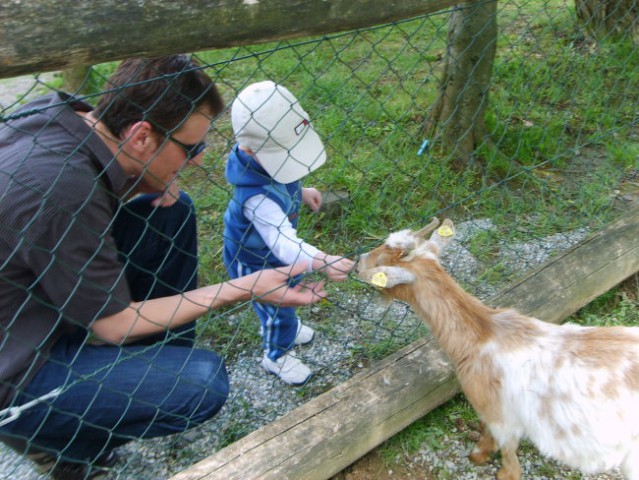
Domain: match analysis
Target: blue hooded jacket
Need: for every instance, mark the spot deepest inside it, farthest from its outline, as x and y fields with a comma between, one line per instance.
x=242, y=242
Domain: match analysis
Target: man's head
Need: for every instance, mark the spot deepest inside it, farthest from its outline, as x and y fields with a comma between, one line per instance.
x=162, y=90
x=269, y=121
x=159, y=111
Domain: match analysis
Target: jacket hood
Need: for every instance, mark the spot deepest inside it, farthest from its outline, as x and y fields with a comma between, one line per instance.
x=242, y=170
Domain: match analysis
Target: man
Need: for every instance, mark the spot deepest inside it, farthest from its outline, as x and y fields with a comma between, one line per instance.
x=90, y=282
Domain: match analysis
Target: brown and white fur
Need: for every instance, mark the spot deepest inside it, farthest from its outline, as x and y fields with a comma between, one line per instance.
x=571, y=390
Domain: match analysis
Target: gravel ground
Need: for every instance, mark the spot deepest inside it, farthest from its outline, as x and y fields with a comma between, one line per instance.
x=258, y=398
x=18, y=89
x=449, y=462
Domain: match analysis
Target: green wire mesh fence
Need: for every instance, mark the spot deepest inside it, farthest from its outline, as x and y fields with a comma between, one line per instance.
x=558, y=160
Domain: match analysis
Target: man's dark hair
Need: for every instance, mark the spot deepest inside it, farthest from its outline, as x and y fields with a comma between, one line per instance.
x=161, y=90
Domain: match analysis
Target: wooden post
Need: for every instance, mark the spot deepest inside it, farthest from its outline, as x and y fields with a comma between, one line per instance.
x=333, y=430
x=77, y=80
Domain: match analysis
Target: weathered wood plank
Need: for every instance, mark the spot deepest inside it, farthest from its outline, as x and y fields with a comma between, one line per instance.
x=577, y=276
x=45, y=35
x=326, y=434
x=333, y=430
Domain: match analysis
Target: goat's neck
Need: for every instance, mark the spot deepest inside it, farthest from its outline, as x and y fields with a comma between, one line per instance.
x=458, y=320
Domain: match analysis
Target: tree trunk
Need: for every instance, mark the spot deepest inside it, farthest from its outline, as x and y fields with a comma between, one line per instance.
x=77, y=80
x=615, y=19
x=457, y=119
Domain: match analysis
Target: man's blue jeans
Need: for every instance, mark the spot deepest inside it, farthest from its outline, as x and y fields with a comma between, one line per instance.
x=114, y=394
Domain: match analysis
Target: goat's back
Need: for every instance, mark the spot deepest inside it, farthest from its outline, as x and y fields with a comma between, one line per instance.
x=572, y=390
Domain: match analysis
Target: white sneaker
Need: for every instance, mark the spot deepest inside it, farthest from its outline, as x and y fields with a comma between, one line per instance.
x=304, y=335
x=288, y=368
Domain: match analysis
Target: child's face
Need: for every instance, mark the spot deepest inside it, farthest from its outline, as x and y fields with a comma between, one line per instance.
x=290, y=161
x=248, y=151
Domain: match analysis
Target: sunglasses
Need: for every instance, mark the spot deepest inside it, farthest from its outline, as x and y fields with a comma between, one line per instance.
x=191, y=151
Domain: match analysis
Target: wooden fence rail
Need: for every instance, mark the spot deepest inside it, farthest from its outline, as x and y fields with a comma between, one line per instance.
x=45, y=35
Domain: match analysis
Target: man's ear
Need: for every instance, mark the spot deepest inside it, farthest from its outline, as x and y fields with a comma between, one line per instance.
x=140, y=137
x=387, y=277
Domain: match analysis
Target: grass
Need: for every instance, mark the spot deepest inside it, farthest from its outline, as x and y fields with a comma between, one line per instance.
x=431, y=429
x=619, y=306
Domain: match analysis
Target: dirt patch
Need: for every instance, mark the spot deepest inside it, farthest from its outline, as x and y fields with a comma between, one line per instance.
x=373, y=467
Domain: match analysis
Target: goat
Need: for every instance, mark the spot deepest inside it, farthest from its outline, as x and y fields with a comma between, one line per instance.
x=573, y=391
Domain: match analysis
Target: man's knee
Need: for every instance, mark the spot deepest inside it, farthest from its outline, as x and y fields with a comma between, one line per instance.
x=208, y=386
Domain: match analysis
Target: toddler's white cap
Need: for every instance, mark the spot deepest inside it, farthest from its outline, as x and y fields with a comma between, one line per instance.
x=268, y=119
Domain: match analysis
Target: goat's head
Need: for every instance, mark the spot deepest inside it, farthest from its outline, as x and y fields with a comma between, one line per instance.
x=391, y=264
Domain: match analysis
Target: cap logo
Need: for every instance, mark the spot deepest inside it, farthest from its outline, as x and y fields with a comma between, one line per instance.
x=300, y=127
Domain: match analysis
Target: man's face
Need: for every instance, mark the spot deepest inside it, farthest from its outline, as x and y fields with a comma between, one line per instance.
x=175, y=151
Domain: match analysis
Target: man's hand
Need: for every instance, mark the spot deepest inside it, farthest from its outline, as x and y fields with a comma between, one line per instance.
x=272, y=286
x=139, y=185
x=168, y=197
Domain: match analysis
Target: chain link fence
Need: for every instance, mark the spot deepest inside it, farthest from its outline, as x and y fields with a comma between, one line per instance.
x=560, y=159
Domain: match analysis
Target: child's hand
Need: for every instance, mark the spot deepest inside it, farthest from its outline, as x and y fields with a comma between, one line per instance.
x=312, y=198
x=334, y=267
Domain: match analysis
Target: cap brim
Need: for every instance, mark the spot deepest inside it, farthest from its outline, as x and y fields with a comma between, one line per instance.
x=289, y=166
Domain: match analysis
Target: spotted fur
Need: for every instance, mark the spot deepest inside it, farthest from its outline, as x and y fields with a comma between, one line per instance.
x=571, y=390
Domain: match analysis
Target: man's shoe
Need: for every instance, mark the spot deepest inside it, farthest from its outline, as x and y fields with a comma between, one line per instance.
x=288, y=368
x=44, y=462
x=82, y=471
x=304, y=335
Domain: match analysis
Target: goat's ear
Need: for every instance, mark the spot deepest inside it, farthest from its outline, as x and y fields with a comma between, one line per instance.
x=444, y=234
x=387, y=277
x=428, y=229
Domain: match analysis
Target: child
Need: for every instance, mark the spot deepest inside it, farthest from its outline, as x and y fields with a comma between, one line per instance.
x=276, y=147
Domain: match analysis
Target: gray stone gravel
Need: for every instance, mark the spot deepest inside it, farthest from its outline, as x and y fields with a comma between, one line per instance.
x=451, y=462
x=14, y=91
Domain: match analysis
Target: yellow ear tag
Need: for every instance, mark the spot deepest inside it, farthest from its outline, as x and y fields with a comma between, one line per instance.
x=379, y=279
x=445, y=231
